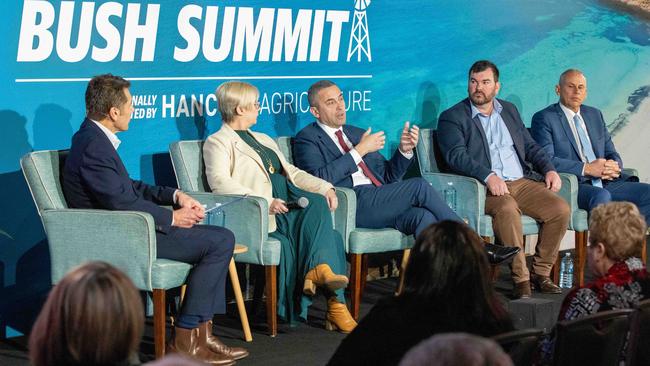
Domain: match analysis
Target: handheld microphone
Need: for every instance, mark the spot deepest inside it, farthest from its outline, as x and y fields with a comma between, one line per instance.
x=300, y=203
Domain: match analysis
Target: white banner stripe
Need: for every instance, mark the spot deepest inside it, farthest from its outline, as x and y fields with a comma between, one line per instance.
x=198, y=78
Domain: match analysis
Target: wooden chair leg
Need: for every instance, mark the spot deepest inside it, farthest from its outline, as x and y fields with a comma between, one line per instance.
x=241, y=307
x=159, y=322
x=644, y=255
x=355, y=284
x=364, y=273
x=580, y=258
x=402, y=270
x=271, y=299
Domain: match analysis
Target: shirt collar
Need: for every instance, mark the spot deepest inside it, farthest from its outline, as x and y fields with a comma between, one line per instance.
x=497, y=108
x=330, y=131
x=569, y=112
x=111, y=136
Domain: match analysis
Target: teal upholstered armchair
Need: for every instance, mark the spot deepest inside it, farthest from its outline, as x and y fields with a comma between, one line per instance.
x=247, y=218
x=471, y=200
x=359, y=242
x=125, y=239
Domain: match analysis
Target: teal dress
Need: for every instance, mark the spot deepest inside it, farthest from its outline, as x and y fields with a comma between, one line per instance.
x=307, y=238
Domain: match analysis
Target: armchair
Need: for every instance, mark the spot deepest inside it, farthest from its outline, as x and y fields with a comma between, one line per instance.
x=76, y=236
x=251, y=230
x=471, y=201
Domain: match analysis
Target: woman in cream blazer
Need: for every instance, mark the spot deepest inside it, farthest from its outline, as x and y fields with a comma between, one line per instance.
x=240, y=161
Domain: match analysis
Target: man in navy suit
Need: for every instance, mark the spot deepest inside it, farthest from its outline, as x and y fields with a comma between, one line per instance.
x=348, y=156
x=576, y=138
x=483, y=137
x=95, y=177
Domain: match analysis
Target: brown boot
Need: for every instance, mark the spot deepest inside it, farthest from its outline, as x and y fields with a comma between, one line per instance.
x=215, y=345
x=322, y=275
x=188, y=342
x=338, y=317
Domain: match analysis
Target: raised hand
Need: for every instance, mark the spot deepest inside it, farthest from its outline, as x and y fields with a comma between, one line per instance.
x=370, y=142
x=409, y=138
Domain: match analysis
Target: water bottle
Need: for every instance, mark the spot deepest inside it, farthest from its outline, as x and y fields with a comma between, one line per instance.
x=215, y=216
x=450, y=196
x=566, y=271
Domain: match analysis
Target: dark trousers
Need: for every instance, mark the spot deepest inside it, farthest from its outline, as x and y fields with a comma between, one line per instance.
x=408, y=206
x=209, y=249
x=617, y=190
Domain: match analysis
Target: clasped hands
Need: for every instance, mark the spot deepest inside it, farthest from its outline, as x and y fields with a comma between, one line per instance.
x=190, y=211
x=371, y=142
x=603, y=169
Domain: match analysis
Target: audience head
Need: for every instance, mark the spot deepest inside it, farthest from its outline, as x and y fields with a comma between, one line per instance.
x=483, y=84
x=108, y=100
x=448, y=269
x=326, y=103
x=617, y=232
x=572, y=89
x=93, y=316
x=238, y=100
x=456, y=349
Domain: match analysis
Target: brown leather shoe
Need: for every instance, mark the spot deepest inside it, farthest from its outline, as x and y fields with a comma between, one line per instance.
x=188, y=342
x=338, y=317
x=544, y=284
x=521, y=290
x=322, y=275
x=215, y=345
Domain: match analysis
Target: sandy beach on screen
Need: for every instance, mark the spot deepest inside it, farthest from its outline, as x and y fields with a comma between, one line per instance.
x=633, y=141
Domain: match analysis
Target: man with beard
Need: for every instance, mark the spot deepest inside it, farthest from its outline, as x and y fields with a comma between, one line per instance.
x=483, y=137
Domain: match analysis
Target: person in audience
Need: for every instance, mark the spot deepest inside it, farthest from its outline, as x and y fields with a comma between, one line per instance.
x=616, y=238
x=348, y=156
x=94, y=177
x=457, y=349
x=240, y=161
x=446, y=289
x=93, y=316
x=576, y=137
x=483, y=137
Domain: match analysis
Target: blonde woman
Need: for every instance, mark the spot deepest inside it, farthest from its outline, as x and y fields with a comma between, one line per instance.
x=240, y=161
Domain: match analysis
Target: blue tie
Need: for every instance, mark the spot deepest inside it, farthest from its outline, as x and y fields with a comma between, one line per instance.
x=587, y=150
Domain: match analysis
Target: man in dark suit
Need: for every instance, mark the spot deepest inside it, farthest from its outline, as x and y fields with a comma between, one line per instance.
x=484, y=138
x=348, y=156
x=95, y=177
x=576, y=137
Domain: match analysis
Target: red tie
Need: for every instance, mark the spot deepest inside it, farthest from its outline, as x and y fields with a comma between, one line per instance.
x=364, y=168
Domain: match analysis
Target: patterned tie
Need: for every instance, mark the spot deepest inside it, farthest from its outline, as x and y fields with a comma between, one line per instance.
x=587, y=149
x=364, y=168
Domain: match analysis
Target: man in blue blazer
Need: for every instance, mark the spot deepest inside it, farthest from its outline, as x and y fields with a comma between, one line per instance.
x=95, y=177
x=576, y=137
x=348, y=156
x=483, y=137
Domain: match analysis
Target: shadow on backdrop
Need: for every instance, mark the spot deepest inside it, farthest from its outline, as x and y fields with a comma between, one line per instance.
x=285, y=122
x=23, y=249
x=427, y=105
x=51, y=127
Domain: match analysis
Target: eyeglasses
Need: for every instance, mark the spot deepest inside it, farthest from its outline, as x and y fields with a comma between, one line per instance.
x=256, y=105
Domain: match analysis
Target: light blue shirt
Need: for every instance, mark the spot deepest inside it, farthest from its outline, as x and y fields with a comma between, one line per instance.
x=505, y=162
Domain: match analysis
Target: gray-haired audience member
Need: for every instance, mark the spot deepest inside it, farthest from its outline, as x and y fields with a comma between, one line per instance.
x=456, y=349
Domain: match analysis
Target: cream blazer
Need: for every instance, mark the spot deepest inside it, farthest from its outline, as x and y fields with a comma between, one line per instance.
x=233, y=167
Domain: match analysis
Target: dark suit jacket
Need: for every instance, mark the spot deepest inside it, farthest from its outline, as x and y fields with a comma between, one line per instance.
x=315, y=152
x=465, y=148
x=551, y=130
x=94, y=177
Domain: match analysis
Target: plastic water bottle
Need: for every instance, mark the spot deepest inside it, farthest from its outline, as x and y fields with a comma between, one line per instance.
x=566, y=271
x=450, y=196
x=215, y=216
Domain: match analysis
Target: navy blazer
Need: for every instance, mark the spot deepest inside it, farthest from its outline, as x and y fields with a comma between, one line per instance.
x=95, y=177
x=465, y=148
x=552, y=131
x=316, y=153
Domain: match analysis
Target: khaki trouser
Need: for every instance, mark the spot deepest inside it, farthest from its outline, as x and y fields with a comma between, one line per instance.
x=533, y=199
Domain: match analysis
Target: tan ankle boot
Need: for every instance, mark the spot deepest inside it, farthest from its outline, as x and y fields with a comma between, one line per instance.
x=189, y=343
x=215, y=345
x=338, y=317
x=322, y=275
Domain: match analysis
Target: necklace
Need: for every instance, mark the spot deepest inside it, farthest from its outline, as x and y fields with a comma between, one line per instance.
x=260, y=151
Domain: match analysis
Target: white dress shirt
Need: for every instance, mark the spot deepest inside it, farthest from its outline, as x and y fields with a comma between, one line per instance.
x=569, y=116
